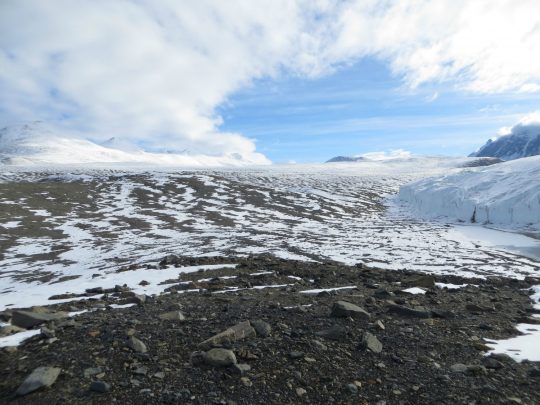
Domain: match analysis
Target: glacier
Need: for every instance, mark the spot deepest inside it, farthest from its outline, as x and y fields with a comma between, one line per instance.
x=506, y=194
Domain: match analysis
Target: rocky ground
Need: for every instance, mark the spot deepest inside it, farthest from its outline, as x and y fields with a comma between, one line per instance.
x=220, y=337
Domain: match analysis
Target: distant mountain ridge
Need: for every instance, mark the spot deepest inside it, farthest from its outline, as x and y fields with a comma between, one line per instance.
x=522, y=141
x=345, y=159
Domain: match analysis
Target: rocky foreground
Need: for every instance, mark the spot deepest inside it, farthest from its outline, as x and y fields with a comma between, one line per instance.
x=205, y=342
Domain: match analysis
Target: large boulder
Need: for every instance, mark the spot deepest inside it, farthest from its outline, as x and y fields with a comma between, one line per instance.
x=408, y=312
x=220, y=358
x=41, y=377
x=27, y=319
x=237, y=332
x=424, y=280
x=344, y=309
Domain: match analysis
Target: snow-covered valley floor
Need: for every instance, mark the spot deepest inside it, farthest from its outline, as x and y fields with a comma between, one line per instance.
x=76, y=224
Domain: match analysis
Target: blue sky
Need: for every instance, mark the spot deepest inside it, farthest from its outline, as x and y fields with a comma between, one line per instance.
x=364, y=108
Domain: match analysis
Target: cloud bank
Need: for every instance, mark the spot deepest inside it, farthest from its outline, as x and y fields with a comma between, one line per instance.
x=155, y=71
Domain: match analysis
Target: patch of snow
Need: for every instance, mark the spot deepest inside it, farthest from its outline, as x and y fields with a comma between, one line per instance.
x=75, y=313
x=527, y=345
x=35, y=294
x=10, y=224
x=17, y=338
x=41, y=213
x=257, y=287
x=451, y=286
x=120, y=306
x=320, y=290
x=414, y=290
x=260, y=273
x=522, y=347
x=299, y=306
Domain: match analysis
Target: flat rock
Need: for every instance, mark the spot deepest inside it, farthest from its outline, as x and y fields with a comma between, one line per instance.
x=261, y=327
x=458, y=368
x=344, y=309
x=41, y=377
x=99, y=386
x=5, y=316
x=534, y=372
x=241, y=369
x=335, y=332
x=91, y=371
x=425, y=281
x=220, y=357
x=27, y=319
x=443, y=314
x=475, y=369
x=197, y=358
x=136, y=345
x=408, y=312
x=370, y=342
x=172, y=316
x=491, y=363
x=10, y=330
x=478, y=309
x=237, y=332
x=138, y=299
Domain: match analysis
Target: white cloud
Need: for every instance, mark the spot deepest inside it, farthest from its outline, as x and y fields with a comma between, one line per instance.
x=530, y=119
x=156, y=71
x=392, y=154
x=528, y=125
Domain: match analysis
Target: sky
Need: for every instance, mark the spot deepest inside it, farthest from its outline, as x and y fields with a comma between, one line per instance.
x=285, y=80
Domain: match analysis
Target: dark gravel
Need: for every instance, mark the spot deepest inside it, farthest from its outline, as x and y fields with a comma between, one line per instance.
x=293, y=350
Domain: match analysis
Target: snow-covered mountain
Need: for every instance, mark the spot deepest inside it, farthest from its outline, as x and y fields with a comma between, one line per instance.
x=522, y=140
x=505, y=194
x=338, y=159
x=37, y=143
x=373, y=156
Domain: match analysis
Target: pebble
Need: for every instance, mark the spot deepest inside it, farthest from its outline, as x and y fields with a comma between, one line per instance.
x=136, y=345
x=296, y=355
x=246, y=381
x=301, y=392
x=91, y=371
x=100, y=386
x=319, y=345
x=458, y=368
